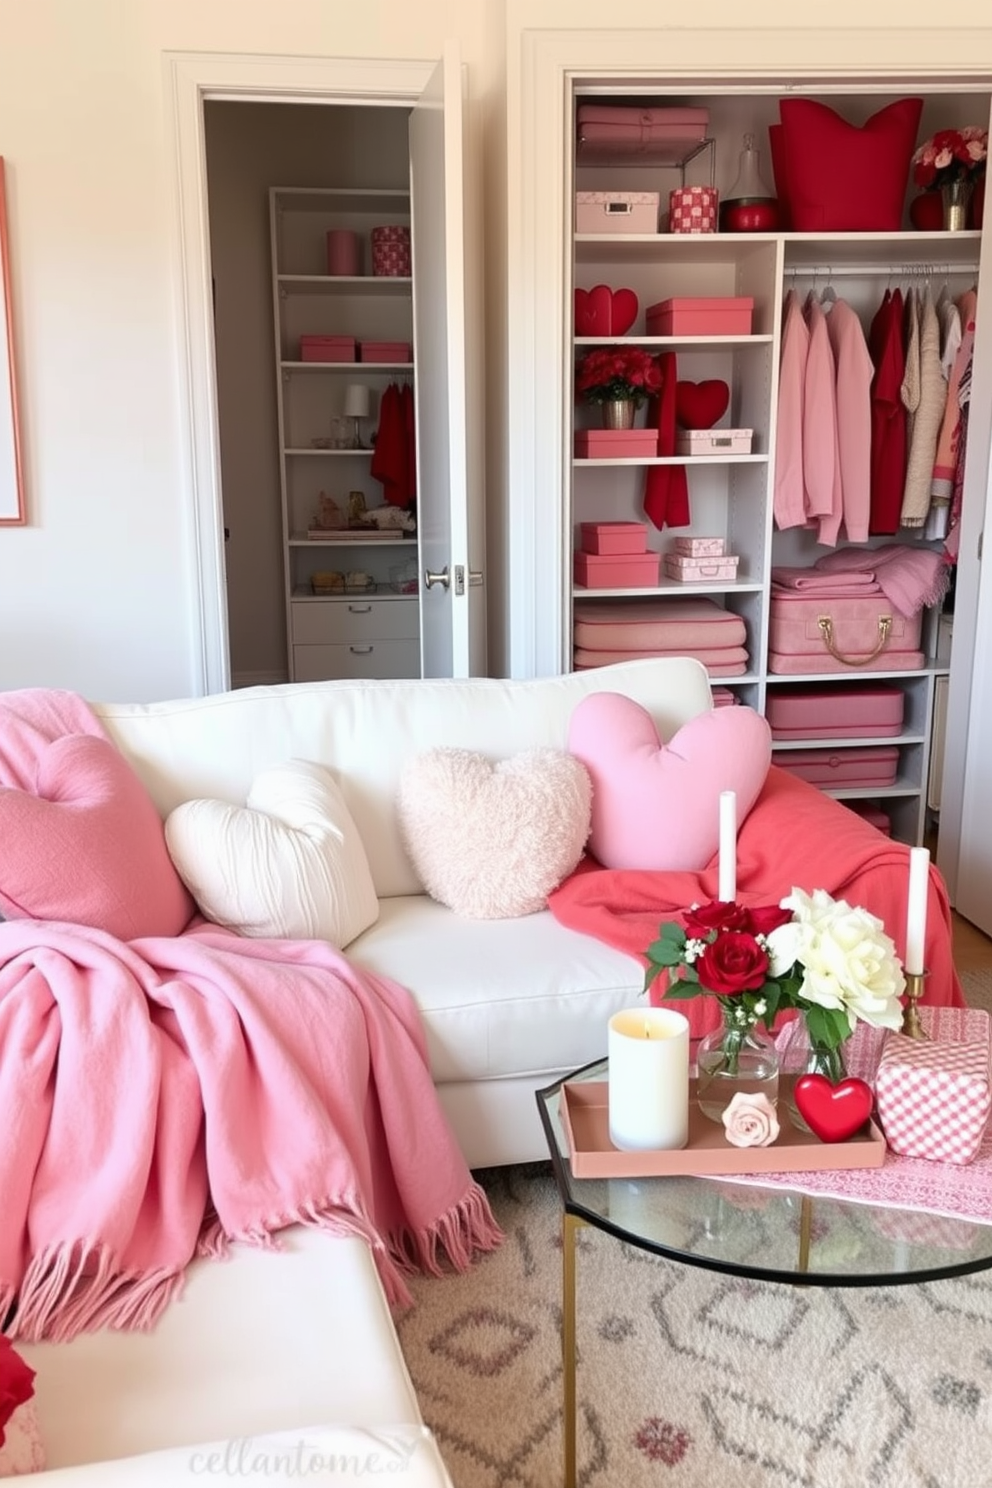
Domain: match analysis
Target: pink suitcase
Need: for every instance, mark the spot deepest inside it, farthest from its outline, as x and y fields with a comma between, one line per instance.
x=829, y=633
x=835, y=712
x=631, y=128
x=836, y=768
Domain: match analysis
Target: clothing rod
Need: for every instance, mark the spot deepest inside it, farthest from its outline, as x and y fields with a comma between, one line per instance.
x=880, y=271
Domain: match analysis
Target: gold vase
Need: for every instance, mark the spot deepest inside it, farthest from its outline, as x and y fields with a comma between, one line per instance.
x=955, y=196
x=618, y=413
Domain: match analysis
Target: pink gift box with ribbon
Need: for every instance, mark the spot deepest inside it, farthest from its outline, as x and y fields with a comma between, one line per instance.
x=693, y=209
x=933, y=1096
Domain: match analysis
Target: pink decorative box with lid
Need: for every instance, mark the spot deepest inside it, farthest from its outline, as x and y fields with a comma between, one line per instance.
x=701, y=570
x=384, y=351
x=616, y=444
x=933, y=1096
x=616, y=211
x=713, y=441
x=616, y=570
x=700, y=547
x=835, y=712
x=614, y=537
x=836, y=768
x=327, y=348
x=723, y=315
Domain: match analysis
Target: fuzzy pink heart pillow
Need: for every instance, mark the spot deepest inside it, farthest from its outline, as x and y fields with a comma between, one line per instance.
x=492, y=841
x=89, y=846
x=656, y=805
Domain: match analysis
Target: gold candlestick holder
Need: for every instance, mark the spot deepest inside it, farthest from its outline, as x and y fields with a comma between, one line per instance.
x=912, y=1027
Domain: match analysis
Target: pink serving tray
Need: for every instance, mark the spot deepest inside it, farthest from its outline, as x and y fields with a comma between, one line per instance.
x=585, y=1118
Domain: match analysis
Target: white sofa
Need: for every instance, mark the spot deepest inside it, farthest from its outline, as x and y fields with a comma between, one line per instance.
x=301, y=1342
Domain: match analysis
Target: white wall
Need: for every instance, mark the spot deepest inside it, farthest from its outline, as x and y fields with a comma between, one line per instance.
x=95, y=593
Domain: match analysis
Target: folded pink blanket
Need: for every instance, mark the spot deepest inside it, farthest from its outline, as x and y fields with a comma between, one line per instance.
x=814, y=581
x=172, y=1095
x=722, y=661
x=909, y=577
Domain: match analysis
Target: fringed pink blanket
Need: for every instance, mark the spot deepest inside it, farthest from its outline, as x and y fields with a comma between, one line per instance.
x=161, y=1097
x=793, y=835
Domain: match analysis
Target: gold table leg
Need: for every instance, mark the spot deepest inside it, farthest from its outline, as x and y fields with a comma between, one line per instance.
x=805, y=1231
x=570, y=1224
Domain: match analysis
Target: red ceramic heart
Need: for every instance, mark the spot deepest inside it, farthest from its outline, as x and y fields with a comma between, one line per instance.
x=698, y=405
x=602, y=311
x=833, y=1112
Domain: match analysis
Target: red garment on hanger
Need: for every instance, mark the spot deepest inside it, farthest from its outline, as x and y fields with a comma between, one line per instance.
x=888, y=416
x=666, y=487
x=393, y=459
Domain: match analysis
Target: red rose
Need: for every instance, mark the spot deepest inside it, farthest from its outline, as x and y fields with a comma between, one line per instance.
x=703, y=919
x=16, y=1382
x=768, y=917
x=733, y=963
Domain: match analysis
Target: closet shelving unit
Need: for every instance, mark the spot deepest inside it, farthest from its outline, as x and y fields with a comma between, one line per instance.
x=731, y=494
x=372, y=631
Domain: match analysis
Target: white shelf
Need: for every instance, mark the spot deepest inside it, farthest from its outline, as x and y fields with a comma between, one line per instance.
x=861, y=792
x=300, y=540
x=377, y=592
x=345, y=284
x=689, y=342
x=828, y=250
x=334, y=454
x=827, y=744
x=681, y=591
x=931, y=669
x=678, y=460
x=341, y=198
x=350, y=367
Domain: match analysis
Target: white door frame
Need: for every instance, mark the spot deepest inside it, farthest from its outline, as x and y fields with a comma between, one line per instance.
x=191, y=78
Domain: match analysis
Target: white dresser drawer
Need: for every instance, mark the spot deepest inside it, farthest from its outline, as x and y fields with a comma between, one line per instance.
x=360, y=659
x=335, y=621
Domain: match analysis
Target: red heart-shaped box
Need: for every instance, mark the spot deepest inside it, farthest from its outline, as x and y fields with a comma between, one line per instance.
x=602, y=311
x=698, y=405
x=833, y=1112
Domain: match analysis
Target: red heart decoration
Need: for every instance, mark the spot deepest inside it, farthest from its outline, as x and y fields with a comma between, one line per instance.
x=698, y=405
x=833, y=1112
x=602, y=311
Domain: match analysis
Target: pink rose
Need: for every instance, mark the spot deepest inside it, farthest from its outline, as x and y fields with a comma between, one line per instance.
x=750, y=1121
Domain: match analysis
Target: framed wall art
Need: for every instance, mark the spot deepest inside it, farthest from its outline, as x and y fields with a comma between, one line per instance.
x=12, y=512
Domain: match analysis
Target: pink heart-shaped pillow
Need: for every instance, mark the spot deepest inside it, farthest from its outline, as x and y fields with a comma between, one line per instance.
x=698, y=405
x=602, y=311
x=656, y=805
x=89, y=846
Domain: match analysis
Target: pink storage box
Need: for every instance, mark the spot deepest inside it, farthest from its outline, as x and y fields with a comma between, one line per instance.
x=723, y=697
x=616, y=571
x=700, y=547
x=700, y=570
x=836, y=713
x=837, y=768
x=722, y=315
x=384, y=351
x=693, y=209
x=616, y=444
x=616, y=211
x=804, y=628
x=327, y=348
x=614, y=537
x=713, y=441
x=631, y=128
x=873, y=814
x=933, y=1097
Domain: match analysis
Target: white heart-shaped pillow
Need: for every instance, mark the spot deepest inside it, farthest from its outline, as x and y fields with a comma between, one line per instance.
x=492, y=841
x=290, y=864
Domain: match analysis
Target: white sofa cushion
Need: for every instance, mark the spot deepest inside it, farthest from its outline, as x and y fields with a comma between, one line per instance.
x=494, y=1004
x=290, y=863
x=366, y=731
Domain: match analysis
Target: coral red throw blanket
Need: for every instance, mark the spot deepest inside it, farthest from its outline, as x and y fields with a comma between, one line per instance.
x=793, y=836
x=163, y=1096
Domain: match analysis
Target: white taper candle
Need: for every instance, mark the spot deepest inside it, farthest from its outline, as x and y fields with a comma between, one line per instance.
x=727, y=890
x=916, y=910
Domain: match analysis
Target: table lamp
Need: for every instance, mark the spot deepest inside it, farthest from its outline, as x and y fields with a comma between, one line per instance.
x=357, y=405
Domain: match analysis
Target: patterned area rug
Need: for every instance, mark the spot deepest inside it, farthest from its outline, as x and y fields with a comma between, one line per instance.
x=691, y=1379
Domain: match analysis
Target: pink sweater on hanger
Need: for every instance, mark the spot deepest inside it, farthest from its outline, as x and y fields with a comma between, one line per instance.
x=789, y=501
x=854, y=375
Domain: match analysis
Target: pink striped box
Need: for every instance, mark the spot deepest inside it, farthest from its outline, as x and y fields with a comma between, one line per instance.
x=933, y=1096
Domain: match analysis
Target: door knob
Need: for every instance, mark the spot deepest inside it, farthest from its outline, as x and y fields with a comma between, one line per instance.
x=443, y=578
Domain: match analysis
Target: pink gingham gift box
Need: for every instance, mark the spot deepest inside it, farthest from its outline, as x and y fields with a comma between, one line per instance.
x=933, y=1096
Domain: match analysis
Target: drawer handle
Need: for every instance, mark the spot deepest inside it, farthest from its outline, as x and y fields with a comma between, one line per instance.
x=361, y=650
x=827, y=632
x=360, y=609
x=619, y=208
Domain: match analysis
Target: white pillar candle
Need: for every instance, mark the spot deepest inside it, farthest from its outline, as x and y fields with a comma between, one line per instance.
x=916, y=910
x=727, y=891
x=649, y=1079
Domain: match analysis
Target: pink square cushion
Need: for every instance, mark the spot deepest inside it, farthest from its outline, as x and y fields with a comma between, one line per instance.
x=89, y=846
x=840, y=177
x=657, y=805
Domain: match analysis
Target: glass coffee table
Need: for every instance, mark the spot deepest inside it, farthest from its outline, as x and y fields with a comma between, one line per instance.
x=708, y=1222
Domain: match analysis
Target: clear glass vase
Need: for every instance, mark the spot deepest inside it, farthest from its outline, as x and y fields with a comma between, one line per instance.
x=803, y=1055
x=736, y=1057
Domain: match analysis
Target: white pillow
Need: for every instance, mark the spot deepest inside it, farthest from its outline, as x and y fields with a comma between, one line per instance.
x=492, y=841
x=288, y=865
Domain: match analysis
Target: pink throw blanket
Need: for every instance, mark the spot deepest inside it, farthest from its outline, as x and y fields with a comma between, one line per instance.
x=908, y=577
x=171, y=1095
x=793, y=836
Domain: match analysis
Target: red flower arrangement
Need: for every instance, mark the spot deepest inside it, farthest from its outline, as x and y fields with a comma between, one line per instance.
x=951, y=155
x=613, y=373
x=16, y=1382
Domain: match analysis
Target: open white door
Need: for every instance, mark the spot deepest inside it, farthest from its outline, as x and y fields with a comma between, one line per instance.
x=449, y=502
